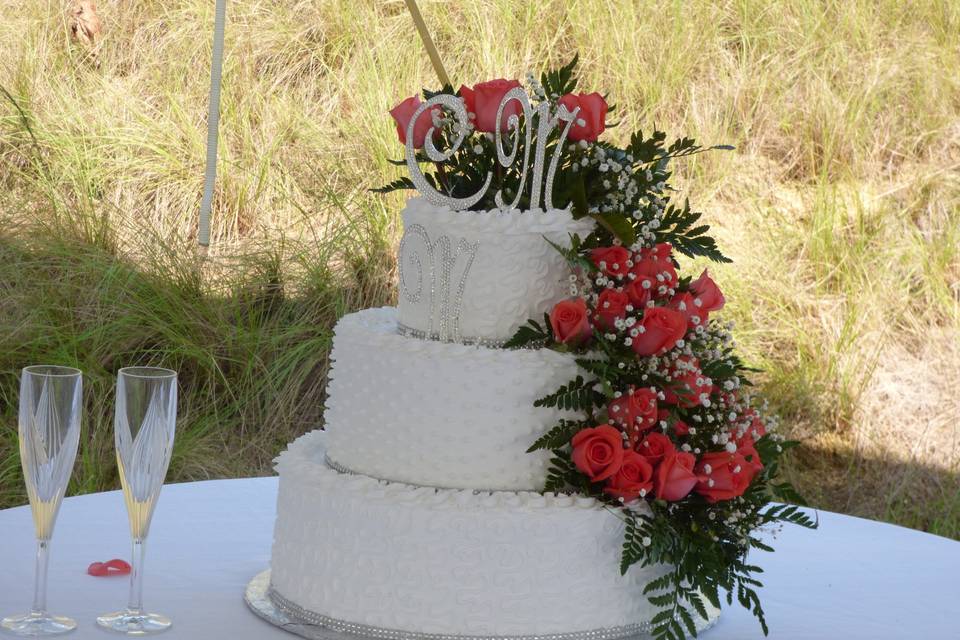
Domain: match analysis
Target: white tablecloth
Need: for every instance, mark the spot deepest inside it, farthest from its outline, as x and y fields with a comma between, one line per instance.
x=851, y=579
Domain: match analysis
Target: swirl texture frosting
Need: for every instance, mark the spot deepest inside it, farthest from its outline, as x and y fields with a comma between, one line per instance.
x=475, y=276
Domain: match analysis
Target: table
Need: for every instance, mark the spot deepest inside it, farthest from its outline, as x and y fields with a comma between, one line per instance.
x=851, y=579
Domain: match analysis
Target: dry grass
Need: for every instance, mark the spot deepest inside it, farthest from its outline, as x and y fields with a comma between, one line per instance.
x=841, y=204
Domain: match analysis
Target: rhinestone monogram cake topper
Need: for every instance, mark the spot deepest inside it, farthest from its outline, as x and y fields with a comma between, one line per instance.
x=542, y=117
x=444, y=263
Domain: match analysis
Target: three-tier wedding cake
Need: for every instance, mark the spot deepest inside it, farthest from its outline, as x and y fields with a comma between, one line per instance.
x=418, y=511
x=549, y=395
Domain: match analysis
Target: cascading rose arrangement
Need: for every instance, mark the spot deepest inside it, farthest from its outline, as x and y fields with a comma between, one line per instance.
x=667, y=432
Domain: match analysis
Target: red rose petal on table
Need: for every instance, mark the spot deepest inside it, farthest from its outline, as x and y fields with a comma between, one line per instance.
x=115, y=567
x=121, y=567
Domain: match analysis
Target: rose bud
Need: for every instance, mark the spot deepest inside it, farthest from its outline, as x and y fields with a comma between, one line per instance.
x=593, y=114
x=723, y=476
x=707, y=291
x=611, y=260
x=655, y=446
x=683, y=302
x=635, y=411
x=402, y=114
x=746, y=448
x=661, y=329
x=660, y=251
x=598, y=452
x=611, y=306
x=654, y=269
x=674, y=478
x=747, y=437
x=680, y=427
x=638, y=294
x=689, y=383
x=483, y=100
x=634, y=478
x=569, y=322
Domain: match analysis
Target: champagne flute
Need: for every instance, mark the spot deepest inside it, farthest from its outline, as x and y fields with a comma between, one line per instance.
x=49, y=430
x=144, y=422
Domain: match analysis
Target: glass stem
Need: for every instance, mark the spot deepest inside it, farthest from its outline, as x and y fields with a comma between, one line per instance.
x=136, y=576
x=40, y=578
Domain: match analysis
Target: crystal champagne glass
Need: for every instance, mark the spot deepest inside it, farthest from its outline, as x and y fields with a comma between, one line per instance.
x=144, y=421
x=49, y=430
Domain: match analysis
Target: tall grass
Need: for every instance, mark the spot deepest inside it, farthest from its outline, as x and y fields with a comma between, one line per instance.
x=841, y=207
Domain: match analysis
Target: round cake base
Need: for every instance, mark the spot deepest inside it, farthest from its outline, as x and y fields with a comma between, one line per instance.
x=258, y=598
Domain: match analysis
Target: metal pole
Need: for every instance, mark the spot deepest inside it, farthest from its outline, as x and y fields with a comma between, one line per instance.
x=213, y=123
x=428, y=42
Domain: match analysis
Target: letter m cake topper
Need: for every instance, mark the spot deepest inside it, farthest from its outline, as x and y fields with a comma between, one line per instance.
x=542, y=117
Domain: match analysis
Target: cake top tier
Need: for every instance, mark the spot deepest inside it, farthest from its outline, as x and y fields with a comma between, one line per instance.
x=476, y=276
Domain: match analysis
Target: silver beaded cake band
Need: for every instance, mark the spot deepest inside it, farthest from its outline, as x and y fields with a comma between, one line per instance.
x=339, y=468
x=305, y=616
x=410, y=332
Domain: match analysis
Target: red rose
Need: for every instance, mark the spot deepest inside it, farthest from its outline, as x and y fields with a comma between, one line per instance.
x=655, y=446
x=569, y=321
x=484, y=99
x=690, y=383
x=745, y=439
x=635, y=411
x=638, y=294
x=659, y=331
x=593, y=114
x=723, y=476
x=654, y=269
x=611, y=260
x=633, y=480
x=680, y=427
x=674, y=478
x=598, y=452
x=611, y=306
x=402, y=114
x=683, y=302
x=707, y=291
x=661, y=251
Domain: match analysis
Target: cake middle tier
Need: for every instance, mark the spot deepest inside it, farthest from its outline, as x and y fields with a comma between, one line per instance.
x=438, y=414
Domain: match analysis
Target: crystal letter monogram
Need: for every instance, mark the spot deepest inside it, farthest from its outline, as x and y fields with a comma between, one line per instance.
x=545, y=122
x=442, y=287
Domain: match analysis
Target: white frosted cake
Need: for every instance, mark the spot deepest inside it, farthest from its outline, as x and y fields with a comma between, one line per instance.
x=417, y=513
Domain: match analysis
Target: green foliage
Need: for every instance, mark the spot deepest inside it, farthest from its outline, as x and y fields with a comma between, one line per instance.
x=574, y=254
x=619, y=226
x=577, y=395
x=677, y=229
x=560, y=81
x=787, y=513
x=727, y=366
x=562, y=473
x=557, y=437
x=396, y=185
x=530, y=334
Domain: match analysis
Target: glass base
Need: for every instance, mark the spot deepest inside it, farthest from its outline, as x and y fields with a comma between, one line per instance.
x=37, y=625
x=133, y=623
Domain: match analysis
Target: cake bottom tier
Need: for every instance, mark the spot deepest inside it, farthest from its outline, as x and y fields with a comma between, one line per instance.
x=388, y=556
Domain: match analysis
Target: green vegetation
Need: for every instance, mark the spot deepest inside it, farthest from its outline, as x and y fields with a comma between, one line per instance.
x=840, y=208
